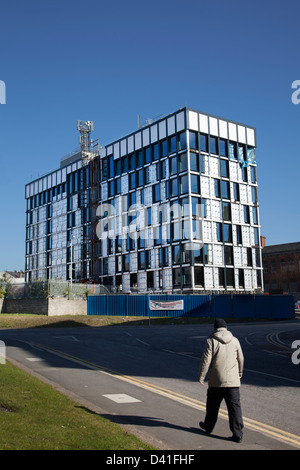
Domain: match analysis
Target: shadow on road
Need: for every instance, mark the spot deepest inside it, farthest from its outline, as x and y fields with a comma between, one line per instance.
x=148, y=422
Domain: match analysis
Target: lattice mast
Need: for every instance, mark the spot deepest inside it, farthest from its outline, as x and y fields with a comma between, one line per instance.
x=89, y=150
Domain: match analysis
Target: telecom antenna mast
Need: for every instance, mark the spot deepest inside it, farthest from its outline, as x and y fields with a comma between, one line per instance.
x=89, y=148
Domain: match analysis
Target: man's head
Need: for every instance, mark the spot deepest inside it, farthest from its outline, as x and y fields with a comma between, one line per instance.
x=220, y=323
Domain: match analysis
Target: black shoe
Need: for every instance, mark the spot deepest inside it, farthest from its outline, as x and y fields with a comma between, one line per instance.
x=202, y=426
x=237, y=439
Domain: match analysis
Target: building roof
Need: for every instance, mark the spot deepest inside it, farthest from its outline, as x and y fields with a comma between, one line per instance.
x=284, y=248
x=14, y=274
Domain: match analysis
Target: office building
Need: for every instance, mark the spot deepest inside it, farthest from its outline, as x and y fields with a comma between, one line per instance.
x=171, y=207
x=281, y=264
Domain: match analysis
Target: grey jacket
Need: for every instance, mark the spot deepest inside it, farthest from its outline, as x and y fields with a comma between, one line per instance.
x=223, y=358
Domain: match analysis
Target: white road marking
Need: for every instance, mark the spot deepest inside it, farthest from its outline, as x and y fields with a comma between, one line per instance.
x=34, y=359
x=67, y=336
x=121, y=398
x=144, y=342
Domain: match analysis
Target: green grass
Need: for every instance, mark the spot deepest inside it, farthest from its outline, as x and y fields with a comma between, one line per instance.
x=15, y=320
x=34, y=416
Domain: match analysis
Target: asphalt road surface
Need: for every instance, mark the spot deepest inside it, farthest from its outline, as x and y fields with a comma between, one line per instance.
x=145, y=379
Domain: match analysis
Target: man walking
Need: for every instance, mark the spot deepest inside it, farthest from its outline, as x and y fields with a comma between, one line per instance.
x=223, y=358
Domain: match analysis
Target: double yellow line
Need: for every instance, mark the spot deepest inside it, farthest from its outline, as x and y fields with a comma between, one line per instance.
x=248, y=422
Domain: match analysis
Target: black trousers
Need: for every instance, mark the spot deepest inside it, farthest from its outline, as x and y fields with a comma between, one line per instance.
x=231, y=395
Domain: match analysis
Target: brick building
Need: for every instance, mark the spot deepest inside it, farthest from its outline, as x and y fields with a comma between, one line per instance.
x=281, y=265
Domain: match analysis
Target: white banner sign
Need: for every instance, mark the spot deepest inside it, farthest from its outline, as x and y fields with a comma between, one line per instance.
x=166, y=305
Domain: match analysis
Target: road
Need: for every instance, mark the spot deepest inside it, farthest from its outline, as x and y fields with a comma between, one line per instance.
x=145, y=379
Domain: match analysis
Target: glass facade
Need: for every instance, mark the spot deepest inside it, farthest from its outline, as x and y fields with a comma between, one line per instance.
x=171, y=207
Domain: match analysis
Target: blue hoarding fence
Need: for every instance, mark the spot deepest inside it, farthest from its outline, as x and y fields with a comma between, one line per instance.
x=191, y=305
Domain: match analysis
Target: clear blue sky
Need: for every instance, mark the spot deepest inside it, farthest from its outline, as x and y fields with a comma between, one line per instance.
x=109, y=61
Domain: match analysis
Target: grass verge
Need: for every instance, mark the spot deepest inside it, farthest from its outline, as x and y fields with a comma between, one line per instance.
x=34, y=416
x=15, y=320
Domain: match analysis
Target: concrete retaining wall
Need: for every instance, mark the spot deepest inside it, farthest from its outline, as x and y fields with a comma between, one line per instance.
x=49, y=307
x=60, y=306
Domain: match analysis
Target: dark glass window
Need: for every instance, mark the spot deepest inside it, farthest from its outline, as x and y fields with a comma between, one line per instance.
x=141, y=260
x=224, y=168
x=150, y=279
x=164, y=148
x=173, y=165
x=132, y=163
x=239, y=239
x=203, y=143
x=195, y=184
x=256, y=237
x=117, y=164
x=183, y=162
x=140, y=159
x=245, y=174
x=156, y=193
x=172, y=144
x=222, y=148
x=202, y=167
x=196, y=207
x=186, y=277
x=213, y=148
x=196, y=229
x=117, y=185
x=111, y=166
x=219, y=232
x=132, y=180
x=194, y=161
x=140, y=177
x=246, y=215
x=227, y=233
x=186, y=253
x=217, y=188
x=163, y=257
x=249, y=257
x=221, y=277
x=141, y=239
x=111, y=188
x=197, y=253
x=148, y=259
x=225, y=189
x=177, y=277
x=255, y=217
x=132, y=199
x=176, y=254
x=226, y=211
x=228, y=254
x=182, y=143
x=148, y=155
x=125, y=261
x=149, y=216
x=174, y=187
x=155, y=151
x=157, y=235
x=125, y=164
x=229, y=277
x=193, y=140
x=184, y=184
x=236, y=191
x=241, y=278
x=199, y=276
